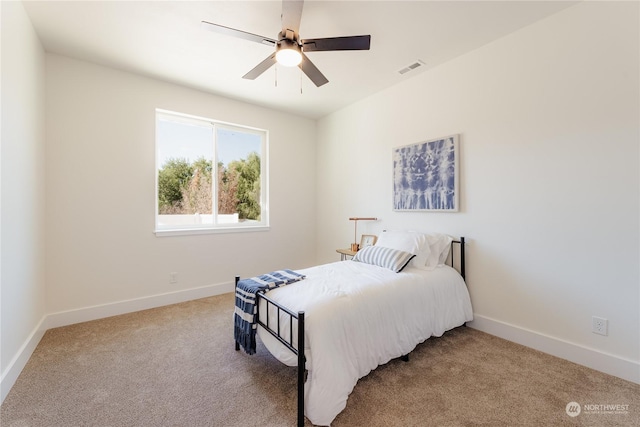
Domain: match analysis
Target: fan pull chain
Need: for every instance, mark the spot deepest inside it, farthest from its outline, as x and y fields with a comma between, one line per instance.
x=276, y=81
x=300, y=81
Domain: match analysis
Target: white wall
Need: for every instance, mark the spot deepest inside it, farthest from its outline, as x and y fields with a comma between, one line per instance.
x=549, y=125
x=22, y=282
x=101, y=249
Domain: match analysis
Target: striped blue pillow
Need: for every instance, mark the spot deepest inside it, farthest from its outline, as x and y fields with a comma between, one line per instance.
x=393, y=259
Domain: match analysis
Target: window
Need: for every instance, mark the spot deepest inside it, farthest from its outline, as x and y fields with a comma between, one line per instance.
x=210, y=176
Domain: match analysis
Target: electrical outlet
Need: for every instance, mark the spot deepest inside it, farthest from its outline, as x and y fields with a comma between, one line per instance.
x=599, y=325
x=173, y=278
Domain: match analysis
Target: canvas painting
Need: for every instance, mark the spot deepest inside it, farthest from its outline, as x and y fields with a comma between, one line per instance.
x=425, y=176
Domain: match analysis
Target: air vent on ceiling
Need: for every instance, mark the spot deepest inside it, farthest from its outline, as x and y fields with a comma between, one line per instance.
x=411, y=67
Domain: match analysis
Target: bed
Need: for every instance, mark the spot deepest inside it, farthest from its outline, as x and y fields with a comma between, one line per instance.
x=352, y=316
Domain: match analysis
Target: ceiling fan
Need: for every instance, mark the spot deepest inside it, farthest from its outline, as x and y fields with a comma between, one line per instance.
x=289, y=47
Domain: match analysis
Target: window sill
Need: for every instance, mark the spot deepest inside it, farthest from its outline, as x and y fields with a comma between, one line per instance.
x=218, y=230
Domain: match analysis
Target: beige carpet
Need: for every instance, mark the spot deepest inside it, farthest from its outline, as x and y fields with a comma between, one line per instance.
x=176, y=366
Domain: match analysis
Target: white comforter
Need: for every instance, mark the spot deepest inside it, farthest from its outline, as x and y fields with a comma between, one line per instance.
x=359, y=316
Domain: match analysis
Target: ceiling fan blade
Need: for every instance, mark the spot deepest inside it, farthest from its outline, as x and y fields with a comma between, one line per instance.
x=220, y=29
x=312, y=71
x=261, y=67
x=291, y=15
x=337, y=43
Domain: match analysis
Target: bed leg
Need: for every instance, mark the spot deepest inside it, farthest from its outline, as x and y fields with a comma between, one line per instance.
x=405, y=358
x=301, y=366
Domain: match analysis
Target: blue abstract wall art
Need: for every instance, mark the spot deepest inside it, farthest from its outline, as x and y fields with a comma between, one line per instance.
x=425, y=176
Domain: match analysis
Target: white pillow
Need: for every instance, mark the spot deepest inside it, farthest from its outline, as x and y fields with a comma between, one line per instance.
x=407, y=241
x=439, y=245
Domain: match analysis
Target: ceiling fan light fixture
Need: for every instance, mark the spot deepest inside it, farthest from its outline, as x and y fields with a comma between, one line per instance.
x=290, y=48
x=288, y=53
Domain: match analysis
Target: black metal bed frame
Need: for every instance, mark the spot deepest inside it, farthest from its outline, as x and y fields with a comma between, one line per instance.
x=299, y=316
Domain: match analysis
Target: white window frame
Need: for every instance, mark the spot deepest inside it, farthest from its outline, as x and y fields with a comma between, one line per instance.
x=188, y=229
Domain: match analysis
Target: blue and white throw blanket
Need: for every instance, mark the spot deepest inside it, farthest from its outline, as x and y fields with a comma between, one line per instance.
x=246, y=309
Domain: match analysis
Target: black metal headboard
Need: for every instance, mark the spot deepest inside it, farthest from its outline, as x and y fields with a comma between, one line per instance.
x=460, y=243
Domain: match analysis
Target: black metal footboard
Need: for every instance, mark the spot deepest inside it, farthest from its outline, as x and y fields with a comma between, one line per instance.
x=299, y=351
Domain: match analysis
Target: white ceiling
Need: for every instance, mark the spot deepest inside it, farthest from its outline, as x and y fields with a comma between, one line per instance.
x=164, y=40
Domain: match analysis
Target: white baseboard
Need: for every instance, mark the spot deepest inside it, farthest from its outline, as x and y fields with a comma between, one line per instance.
x=17, y=364
x=608, y=363
x=64, y=318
